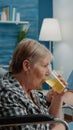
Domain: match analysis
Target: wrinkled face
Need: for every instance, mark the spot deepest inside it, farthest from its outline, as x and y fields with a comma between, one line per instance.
x=39, y=72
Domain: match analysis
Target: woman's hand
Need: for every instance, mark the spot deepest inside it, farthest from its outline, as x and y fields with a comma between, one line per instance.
x=62, y=80
x=56, y=101
x=52, y=94
x=49, y=95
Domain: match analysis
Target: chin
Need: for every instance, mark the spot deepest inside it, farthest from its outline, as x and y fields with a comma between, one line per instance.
x=36, y=88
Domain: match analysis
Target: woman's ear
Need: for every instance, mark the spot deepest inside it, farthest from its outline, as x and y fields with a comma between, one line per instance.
x=26, y=65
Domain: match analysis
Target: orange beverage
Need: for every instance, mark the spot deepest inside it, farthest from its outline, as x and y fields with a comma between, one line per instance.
x=55, y=83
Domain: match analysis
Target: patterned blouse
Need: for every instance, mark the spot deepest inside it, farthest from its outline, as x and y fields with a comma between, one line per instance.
x=14, y=101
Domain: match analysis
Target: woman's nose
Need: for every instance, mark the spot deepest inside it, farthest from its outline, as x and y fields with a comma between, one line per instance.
x=48, y=72
x=49, y=69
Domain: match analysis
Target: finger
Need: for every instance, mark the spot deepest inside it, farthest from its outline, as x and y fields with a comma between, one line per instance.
x=62, y=80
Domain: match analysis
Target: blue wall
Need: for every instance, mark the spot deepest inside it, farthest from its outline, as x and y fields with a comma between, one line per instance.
x=45, y=11
x=33, y=11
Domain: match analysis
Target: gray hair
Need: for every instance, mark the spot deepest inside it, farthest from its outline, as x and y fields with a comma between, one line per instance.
x=28, y=49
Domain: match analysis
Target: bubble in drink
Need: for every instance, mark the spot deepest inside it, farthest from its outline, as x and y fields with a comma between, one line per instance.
x=56, y=84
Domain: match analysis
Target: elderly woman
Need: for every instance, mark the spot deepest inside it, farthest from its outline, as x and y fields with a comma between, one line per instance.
x=19, y=87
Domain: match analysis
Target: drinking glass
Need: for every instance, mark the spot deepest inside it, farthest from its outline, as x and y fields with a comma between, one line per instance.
x=54, y=82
